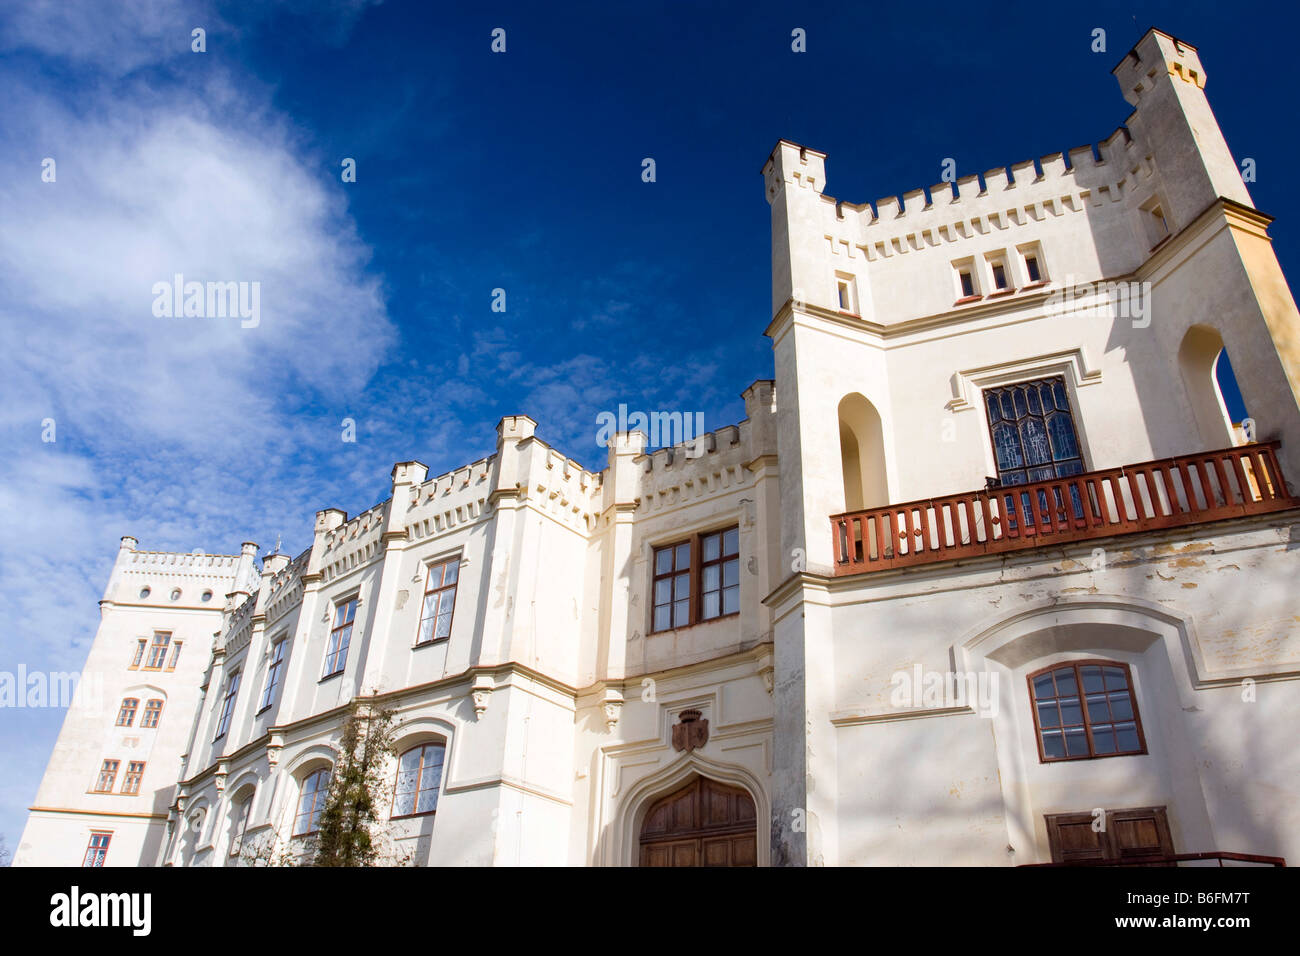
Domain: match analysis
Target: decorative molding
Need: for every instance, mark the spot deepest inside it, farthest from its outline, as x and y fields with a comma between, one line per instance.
x=1074, y=364
x=481, y=690
x=613, y=708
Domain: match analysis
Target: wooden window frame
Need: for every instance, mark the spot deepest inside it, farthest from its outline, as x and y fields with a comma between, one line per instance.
x=1111, y=852
x=159, y=649
x=132, y=779
x=176, y=654
x=318, y=799
x=441, y=589
x=97, y=854
x=419, y=779
x=695, y=605
x=1083, y=703
x=104, y=768
x=141, y=646
x=339, y=652
x=228, y=704
x=274, y=675
x=151, y=711
x=128, y=710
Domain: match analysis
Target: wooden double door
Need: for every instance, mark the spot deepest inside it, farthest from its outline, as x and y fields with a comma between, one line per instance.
x=705, y=823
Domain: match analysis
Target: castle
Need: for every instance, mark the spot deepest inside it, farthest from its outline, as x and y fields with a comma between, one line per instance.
x=987, y=575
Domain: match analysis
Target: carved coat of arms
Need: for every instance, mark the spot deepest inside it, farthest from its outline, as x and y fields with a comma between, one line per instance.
x=690, y=732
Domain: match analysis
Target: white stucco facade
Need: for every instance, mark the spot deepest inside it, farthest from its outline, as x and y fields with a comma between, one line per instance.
x=556, y=690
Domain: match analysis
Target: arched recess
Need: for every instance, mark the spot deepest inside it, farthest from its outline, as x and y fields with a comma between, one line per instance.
x=1159, y=646
x=1198, y=361
x=647, y=792
x=862, y=453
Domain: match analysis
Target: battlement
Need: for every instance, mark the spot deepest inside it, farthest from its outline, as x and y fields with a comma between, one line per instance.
x=1023, y=194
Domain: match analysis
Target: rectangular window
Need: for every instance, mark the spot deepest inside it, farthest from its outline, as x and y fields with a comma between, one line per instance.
x=139, y=653
x=336, y=653
x=672, y=586
x=274, y=674
x=158, y=651
x=967, y=284
x=999, y=276
x=176, y=655
x=439, y=601
x=134, y=773
x=228, y=705
x=719, y=573
x=107, y=777
x=696, y=580
x=97, y=850
x=1031, y=268
x=847, y=290
x=126, y=714
x=152, y=714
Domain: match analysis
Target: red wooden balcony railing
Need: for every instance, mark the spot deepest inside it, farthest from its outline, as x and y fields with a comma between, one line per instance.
x=1170, y=493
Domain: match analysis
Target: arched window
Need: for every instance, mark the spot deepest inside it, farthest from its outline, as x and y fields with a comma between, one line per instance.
x=240, y=813
x=312, y=802
x=419, y=773
x=1085, y=709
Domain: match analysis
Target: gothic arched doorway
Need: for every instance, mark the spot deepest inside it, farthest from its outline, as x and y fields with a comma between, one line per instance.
x=705, y=823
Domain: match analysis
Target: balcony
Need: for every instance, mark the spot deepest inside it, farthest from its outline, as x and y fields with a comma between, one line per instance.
x=1153, y=495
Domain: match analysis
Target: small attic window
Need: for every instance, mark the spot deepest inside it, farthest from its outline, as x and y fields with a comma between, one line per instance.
x=145, y=592
x=1031, y=268
x=846, y=290
x=999, y=276
x=967, y=283
x=176, y=594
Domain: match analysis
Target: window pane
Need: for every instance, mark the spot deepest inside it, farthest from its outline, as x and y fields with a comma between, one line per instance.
x=663, y=591
x=1126, y=736
x=1121, y=707
x=1103, y=739
x=444, y=625
x=1071, y=712
x=683, y=557
x=1065, y=682
x=995, y=413
x=1053, y=744
x=1091, y=679
x=682, y=586
x=1076, y=743
x=453, y=570
x=1049, y=715
x=1098, y=712
x=662, y=620
x=712, y=546
x=712, y=605
x=681, y=613
x=1115, y=679
x=730, y=600
x=663, y=561
x=1043, y=686
x=426, y=630
x=711, y=577
x=730, y=573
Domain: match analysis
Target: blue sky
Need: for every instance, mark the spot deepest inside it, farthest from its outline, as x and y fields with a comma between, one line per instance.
x=475, y=171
